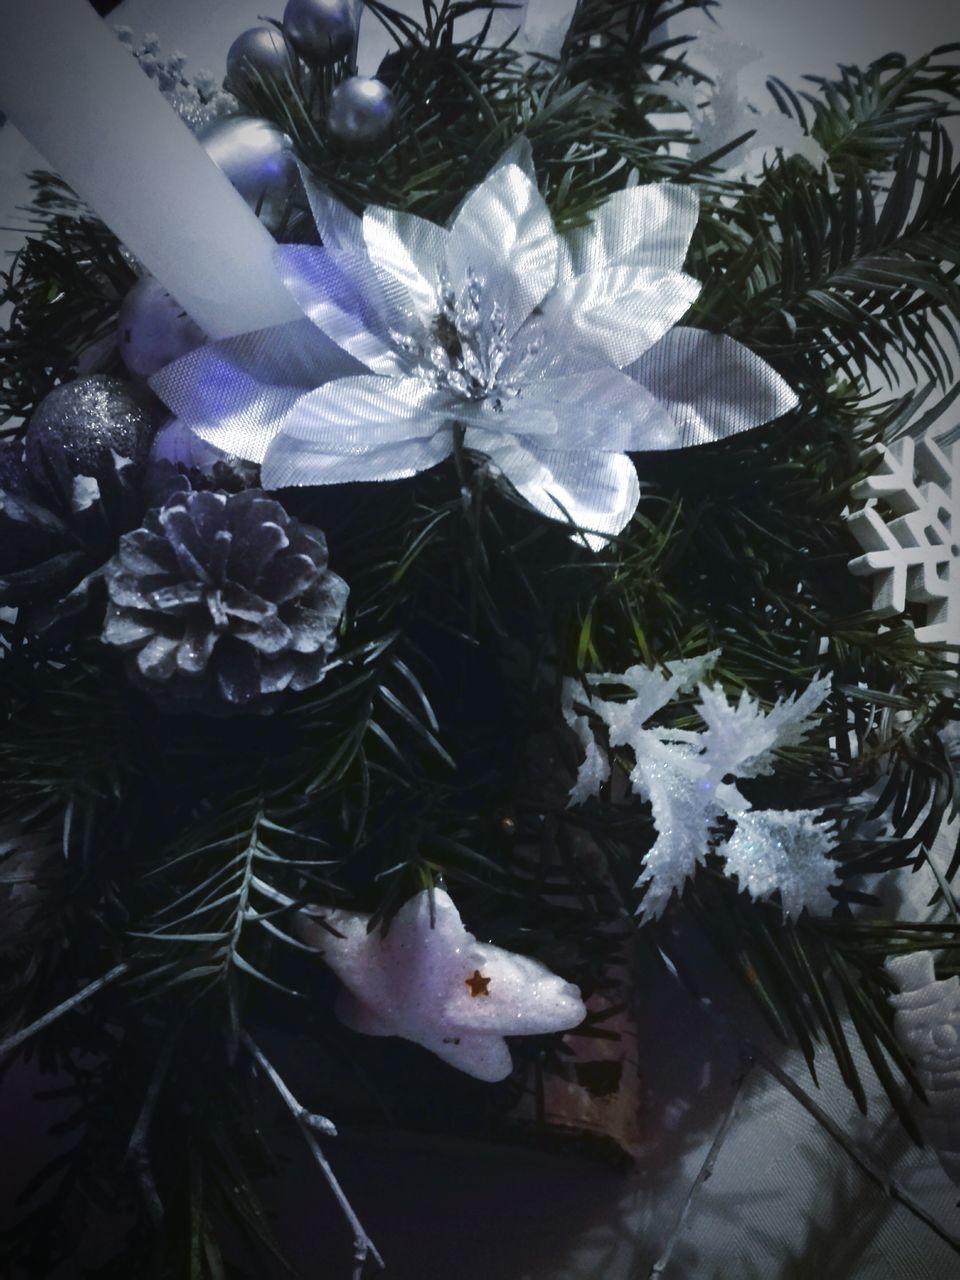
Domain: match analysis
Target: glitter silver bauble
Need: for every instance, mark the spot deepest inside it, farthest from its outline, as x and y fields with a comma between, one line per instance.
x=83, y=427
x=153, y=329
x=322, y=31
x=259, y=161
x=361, y=112
x=258, y=55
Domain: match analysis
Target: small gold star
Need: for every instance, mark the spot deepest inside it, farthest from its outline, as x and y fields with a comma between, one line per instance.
x=477, y=984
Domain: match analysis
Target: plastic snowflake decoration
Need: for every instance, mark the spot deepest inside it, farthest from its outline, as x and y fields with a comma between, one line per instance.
x=553, y=356
x=721, y=113
x=909, y=528
x=927, y=1024
x=684, y=775
x=428, y=980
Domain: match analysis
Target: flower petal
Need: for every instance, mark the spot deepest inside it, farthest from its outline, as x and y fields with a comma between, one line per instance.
x=296, y=462
x=345, y=296
x=520, y=153
x=411, y=250
x=647, y=226
x=365, y=428
x=603, y=409
x=595, y=491
x=615, y=314
x=358, y=415
x=504, y=234
x=711, y=385
x=339, y=227
x=234, y=394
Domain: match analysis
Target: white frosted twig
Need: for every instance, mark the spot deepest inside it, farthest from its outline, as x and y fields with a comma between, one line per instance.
x=706, y=1170
x=880, y=1179
x=25, y=1033
x=309, y=1125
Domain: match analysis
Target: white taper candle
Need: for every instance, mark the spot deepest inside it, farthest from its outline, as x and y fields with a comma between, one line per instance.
x=78, y=96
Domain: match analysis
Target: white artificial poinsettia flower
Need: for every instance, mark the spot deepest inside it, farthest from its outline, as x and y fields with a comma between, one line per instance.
x=430, y=981
x=554, y=356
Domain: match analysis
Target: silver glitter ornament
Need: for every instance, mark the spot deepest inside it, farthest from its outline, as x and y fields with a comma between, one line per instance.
x=259, y=161
x=322, y=31
x=257, y=55
x=153, y=329
x=83, y=427
x=361, y=112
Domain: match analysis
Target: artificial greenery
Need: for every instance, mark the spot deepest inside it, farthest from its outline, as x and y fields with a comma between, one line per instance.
x=169, y=852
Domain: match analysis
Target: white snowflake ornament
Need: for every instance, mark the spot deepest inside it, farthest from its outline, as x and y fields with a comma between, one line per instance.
x=909, y=529
x=430, y=981
x=721, y=110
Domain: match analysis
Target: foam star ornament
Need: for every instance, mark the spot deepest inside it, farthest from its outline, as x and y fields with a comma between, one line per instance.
x=909, y=529
x=553, y=356
x=427, y=979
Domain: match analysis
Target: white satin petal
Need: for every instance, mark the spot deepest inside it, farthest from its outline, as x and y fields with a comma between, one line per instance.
x=603, y=409
x=615, y=314
x=339, y=227
x=711, y=385
x=291, y=461
x=504, y=234
x=520, y=153
x=344, y=296
x=647, y=226
x=516, y=417
x=360, y=415
x=366, y=428
x=411, y=250
x=234, y=394
x=597, y=492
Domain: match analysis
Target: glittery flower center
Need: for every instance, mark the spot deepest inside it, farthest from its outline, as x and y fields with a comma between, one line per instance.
x=465, y=347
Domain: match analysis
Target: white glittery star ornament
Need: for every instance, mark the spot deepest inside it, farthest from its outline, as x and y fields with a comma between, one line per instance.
x=430, y=981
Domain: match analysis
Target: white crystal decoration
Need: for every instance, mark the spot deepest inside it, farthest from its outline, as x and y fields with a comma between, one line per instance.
x=909, y=528
x=787, y=852
x=685, y=776
x=428, y=980
x=927, y=1024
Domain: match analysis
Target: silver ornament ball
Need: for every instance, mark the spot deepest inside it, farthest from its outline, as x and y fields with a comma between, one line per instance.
x=259, y=161
x=322, y=31
x=361, y=112
x=153, y=330
x=78, y=427
x=258, y=55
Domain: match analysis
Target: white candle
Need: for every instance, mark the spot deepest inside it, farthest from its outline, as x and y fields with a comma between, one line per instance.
x=79, y=97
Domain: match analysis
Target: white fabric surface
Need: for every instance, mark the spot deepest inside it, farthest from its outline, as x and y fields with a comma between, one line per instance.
x=783, y=1203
